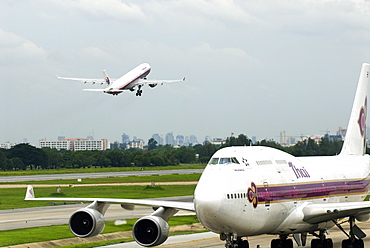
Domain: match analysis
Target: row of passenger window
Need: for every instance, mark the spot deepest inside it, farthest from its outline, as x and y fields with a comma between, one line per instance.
x=236, y=196
x=223, y=161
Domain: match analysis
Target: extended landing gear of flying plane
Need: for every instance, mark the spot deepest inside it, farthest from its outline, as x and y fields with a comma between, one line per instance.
x=234, y=242
x=139, y=91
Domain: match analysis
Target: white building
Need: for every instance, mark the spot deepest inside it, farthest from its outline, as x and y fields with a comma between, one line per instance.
x=75, y=144
x=7, y=145
x=136, y=144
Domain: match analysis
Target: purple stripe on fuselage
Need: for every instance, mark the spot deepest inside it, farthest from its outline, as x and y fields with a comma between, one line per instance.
x=310, y=191
x=141, y=75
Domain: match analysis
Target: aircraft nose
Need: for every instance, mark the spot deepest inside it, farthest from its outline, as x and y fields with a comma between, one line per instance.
x=207, y=198
x=207, y=204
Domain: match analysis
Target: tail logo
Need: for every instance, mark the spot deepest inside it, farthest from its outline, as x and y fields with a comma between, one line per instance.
x=362, y=119
x=107, y=80
x=252, y=195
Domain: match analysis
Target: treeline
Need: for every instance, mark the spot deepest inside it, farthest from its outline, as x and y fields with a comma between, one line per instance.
x=24, y=156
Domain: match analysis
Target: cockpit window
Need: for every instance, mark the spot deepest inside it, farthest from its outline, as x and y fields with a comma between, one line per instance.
x=234, y=160
x=223, y=161
x=214, y=161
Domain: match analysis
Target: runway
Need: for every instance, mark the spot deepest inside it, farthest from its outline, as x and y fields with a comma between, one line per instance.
x=96, y=175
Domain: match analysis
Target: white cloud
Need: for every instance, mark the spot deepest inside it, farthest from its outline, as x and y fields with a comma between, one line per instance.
x=13, y=46
x=115, y=9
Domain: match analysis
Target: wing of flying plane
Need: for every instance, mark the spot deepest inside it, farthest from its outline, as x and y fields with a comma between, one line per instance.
x=153, y=82
x=105, y=80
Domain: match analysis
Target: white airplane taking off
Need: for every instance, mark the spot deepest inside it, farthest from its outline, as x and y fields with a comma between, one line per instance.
x=132, y=80
x=247, y=191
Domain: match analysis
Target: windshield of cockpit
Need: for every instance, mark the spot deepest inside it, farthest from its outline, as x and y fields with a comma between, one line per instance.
x=223, y=161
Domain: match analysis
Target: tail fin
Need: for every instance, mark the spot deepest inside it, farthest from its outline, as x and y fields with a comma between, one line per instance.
x=30, y=194
x=354, y=142
x=107, y=80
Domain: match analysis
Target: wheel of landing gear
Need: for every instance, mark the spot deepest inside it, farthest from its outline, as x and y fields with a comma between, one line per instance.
x=243, y=244
x=315, y=243
x=345, y=243
x=288, y=243
x=359, y=243
x=328, y=243
x=275, y=243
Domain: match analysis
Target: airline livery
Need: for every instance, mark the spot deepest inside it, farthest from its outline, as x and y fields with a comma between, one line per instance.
x=247, y=191
x=132, y=80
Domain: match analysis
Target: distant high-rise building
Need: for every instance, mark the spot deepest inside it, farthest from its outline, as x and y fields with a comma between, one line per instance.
x=342, y=132
x=283, y=138
x=125, y=138
x=193, y=140
x=157, y=137
x=180, y=140
x=207, y=139
x=254, y=139
x=170, y=140
x=90, y=137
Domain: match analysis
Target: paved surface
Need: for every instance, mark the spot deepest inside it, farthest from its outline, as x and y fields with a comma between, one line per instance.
x=211, y=240
x=59, y=215
x=96, y=175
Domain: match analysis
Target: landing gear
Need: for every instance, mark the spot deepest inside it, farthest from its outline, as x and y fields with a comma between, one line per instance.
x=139, y=91
x=234, y=242
x=282, y=242
x=321, y=241
x=355, y=235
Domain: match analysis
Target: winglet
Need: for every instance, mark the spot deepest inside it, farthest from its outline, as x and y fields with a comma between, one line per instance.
x=30, y=194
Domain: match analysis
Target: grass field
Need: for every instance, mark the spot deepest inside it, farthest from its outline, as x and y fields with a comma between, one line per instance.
x=98, y=170
x=130, y=179
x=13, y=197
x=32, y=235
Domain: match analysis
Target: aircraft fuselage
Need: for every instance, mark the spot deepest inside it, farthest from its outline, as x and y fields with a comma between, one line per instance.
x=260, y=190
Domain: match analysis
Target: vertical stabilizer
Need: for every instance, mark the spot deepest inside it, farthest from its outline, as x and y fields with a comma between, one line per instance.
x=107, y=79
x=354, y=142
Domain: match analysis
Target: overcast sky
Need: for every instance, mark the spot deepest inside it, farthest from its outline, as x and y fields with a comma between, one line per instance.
x=252, y=67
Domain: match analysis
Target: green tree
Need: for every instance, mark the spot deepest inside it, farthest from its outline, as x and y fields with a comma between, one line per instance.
x=30, y=155
x=152, y=144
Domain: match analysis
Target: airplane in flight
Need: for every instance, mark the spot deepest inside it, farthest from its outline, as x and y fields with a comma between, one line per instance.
x=248, y=191
x=132, y=80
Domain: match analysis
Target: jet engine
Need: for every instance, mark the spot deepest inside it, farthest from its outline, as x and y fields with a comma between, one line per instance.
x=86, y=223
x=150, y=231
x=152, y=85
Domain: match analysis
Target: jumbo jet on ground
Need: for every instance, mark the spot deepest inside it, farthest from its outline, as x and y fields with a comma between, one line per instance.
x=132, y=80
x=247, y=191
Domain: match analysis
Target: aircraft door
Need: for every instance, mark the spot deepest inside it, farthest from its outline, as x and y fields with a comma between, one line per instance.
x=267, y=194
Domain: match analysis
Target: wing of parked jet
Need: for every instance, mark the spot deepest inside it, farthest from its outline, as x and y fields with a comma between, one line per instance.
x=189, y=206
x=317, y=213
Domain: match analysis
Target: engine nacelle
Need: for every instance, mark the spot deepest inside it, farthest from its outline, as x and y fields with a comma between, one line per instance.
x=86, y=223
x=152, y=85
x=150, y=231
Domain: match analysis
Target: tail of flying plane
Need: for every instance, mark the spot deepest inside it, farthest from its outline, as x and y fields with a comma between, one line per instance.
x=107, y=80
x=354, y=142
